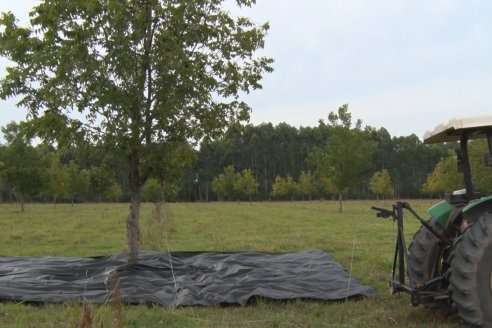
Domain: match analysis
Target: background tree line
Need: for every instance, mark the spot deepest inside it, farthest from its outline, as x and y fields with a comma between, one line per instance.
x=290, y=153
x=337, y=159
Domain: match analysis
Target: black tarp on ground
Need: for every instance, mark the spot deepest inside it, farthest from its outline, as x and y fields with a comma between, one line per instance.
x=199, y=278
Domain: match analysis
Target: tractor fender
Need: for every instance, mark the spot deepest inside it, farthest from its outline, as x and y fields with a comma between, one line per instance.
x=440, y=212
x=477, y=207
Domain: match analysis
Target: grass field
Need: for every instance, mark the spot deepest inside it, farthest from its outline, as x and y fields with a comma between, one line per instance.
x=355, y=238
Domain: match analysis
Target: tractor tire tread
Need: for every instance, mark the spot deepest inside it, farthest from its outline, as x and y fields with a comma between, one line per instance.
x=465, y=262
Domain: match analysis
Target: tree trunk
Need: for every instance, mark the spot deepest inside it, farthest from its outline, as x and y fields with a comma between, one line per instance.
x=265, y=178
x=163, y=189
x=132, y=225
x=132, y=228
x=340, y=203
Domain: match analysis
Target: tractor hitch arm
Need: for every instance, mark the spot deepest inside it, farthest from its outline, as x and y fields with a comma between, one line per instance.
x=400, y=259
x=383, y=213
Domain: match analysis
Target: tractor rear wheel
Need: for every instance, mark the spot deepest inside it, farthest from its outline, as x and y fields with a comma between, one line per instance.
x=471, y=273
x=425, y=259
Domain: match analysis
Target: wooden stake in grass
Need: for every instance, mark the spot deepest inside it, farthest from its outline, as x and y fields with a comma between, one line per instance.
x=86, y=318
x=114, y=286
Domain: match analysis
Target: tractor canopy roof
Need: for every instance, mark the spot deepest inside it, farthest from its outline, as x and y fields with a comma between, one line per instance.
x=473, y=126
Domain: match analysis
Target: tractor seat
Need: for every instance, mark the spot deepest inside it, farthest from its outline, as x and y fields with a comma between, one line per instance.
x=460, y=197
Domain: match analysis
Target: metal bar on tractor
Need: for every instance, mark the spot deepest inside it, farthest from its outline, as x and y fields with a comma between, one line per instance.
x=466, y=166
x=489, y=140
x=423, y=222
x=488, y=156
x=403, y=256
x=395, y=259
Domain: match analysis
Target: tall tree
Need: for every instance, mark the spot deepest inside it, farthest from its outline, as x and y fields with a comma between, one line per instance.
x=346, y=155
x=131, y=73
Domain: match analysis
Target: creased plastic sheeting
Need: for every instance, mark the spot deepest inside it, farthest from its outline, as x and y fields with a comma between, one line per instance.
x=196, y=278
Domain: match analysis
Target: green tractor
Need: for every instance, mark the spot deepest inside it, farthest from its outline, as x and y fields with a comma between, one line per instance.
x=449, y=261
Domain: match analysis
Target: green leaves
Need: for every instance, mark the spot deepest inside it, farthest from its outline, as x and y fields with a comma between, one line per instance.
x=231, y=184
x=380, y=183
x=285, y=187
x=307, y=185
x=346, y=155
x=155, y=66
x=245, y=183
x=223, y=184
x=22, y=167
x=132, y=73
x=445, y=177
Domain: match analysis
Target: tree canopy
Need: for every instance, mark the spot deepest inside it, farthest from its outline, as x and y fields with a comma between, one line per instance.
x=245, y=183
x=132, y=74
x=285, y=187
x=380, y=183
x=223, y=184
x=399, y=155
x=345, y=156
x=21, y=165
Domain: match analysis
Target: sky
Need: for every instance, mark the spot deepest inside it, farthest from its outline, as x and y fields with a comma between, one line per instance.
x=403, y=65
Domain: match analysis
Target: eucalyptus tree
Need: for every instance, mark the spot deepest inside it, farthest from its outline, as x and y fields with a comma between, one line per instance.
x=132, y=73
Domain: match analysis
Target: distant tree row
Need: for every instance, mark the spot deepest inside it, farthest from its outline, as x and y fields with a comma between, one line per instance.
x=79, y=174
x=234, y=184
x=341, y=154
x=337, y=159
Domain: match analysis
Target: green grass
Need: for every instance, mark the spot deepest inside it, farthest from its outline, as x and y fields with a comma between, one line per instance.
x=355, y=238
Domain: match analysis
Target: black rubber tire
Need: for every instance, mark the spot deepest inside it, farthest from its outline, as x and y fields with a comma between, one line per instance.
x=424, y=254
x=471, y=269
